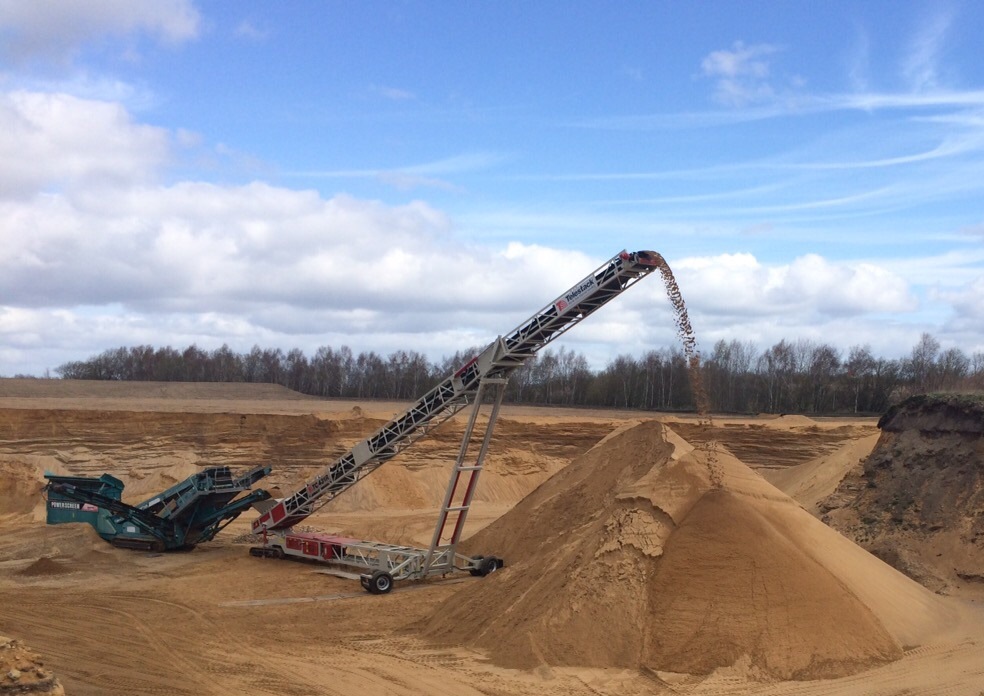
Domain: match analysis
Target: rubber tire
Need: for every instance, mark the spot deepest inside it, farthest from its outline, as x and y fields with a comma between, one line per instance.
x=489, y=565
x=476, y=570
x=381, y=582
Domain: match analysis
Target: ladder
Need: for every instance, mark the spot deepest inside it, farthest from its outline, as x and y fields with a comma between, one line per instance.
x=463, y=483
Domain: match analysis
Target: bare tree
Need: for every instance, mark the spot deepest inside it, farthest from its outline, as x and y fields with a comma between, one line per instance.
x=921, y=366
x=952, y=368
x=824, y=365
x=860, y=369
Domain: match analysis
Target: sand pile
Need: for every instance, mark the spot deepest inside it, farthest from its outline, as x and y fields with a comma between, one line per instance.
x=20, y=486
x=634, y=557
x=44, y=567
x=22, y=670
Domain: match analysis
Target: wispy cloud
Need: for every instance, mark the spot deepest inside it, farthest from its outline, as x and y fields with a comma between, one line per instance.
x=422, y=175
x=801, y=105
x=742, y=73
x=920, y=66
x=407, y=181
x=392, y=93
x=858, y=61
x=466, y=162
x=869, y=101
x=820, y=203
x=951, y=146
x=248, y=30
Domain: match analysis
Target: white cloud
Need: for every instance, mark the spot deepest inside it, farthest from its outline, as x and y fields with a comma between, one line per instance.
x=968, y=302
x=54, y=30
x=948, y=269
x=742, y=73
x=197, y=247
x=209, y=264
x=256, y=264
x=58, y=140
x=810, y=286
x=95, y=254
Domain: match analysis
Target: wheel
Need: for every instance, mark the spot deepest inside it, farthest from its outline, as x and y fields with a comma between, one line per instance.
x=476, y=568
x=381, y=582
x=489, y=565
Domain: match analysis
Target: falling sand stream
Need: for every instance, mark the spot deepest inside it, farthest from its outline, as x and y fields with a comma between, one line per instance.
x=686, y=334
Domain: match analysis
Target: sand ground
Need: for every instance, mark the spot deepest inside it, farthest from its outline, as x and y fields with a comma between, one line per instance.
x=217, y=621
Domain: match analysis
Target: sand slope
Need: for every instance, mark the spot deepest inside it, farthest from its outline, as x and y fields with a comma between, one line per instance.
x=811, y=482
x=647, y=553
x=918, y=499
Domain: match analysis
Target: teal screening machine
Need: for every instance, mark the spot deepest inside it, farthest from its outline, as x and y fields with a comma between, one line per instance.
x=187, y=513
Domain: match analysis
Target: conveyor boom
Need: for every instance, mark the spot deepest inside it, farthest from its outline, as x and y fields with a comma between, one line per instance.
x=498, y=360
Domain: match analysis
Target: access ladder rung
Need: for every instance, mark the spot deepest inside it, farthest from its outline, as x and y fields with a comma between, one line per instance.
x=456, y=508
x=470, y=468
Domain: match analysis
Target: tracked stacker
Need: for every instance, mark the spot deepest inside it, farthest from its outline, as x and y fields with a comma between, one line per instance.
x=184, y=515
x=478, y=384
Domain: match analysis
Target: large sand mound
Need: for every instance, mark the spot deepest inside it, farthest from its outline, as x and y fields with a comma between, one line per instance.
x=647, y=553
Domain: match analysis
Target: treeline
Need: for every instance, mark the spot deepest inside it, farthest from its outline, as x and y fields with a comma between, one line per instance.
x=789, y=377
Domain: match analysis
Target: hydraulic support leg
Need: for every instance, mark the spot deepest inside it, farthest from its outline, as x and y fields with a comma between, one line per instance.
x=463, y=482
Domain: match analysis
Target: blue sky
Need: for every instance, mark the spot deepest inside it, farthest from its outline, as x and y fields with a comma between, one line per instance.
x=414, y=175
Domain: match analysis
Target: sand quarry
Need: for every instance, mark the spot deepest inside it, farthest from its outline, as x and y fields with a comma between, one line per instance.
x=647, y=554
